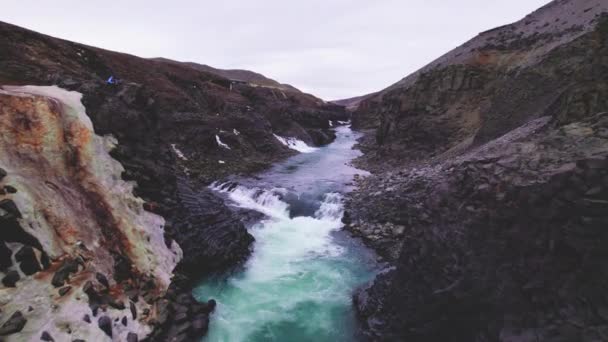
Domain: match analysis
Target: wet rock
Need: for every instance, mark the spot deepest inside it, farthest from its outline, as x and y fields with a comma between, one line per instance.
x=64, y=290
x=180, y=317
x=116, y=304
x=163, y=311
x=132, y=337
x=11, y=278
x=46, y=337
x=2, y=173
x=105, y=324
x=64, y=271
x=10, y=208
x=102, y=279
x=14, y=324
x=5, y=256
x=28, y=262
x=133, y=310
x=87, y=318
x=124, y=321
x=211, y=305
x=10, y=189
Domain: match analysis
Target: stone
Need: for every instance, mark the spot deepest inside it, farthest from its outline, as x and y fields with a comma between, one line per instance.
x=116, y=304
x=28, y=262
x=87, y=318
x=14, y=324
x=10, y=189
x=10, y=208
x=2, y=173
x=163, y=311
x=185, y=299
x=211, y=304
x=11, y=278
x=46, y=337
x=124, y=320
x=102, y=279
x=64, y=290
x=180, y=317
x=132, y=337
x=62, y=274
x=105, y=324
x=594, y=191
x=200, y=324
x=133, y=310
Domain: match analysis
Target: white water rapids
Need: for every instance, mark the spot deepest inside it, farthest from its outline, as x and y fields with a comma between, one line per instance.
x=298, y=283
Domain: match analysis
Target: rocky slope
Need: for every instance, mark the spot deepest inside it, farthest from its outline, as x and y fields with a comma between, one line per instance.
x=549, y=63
x=175, y=129
x=238, y=75
x=489, y=197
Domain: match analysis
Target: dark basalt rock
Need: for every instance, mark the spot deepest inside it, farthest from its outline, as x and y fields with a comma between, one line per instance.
x=5, y=256
x=105, y=324
x=64, y=290
x=28, y=262
x=124, y=321
x=14, y=324
x=491, y=237
x=3, y=173
x=133, y=310
x=10, y=208
x=68, y=266
x=10, y=189
x=46, y=337
x=157, y=104
x=11, y=278
x=213, y=234
x=132, y=337
x=87, y=318
x=102, y=279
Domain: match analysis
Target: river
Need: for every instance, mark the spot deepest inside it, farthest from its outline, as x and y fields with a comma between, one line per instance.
x=298, y=283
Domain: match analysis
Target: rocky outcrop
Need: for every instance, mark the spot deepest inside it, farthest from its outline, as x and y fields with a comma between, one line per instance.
x=495, y=244
x=76, y=236
x=489, y=198
x=550, y=63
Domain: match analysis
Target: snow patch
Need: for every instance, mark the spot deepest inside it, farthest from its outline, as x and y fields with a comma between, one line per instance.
x=179, y=153
x=295, y=144
x=220, y=143
x=235, y=131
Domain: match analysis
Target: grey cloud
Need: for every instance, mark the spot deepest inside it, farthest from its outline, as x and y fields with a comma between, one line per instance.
x=331, y=48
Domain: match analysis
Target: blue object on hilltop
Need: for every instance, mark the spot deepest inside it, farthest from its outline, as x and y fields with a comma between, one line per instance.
x=111, y=80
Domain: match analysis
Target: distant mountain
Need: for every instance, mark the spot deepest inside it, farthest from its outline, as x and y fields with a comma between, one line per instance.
x=353, y=102
x=251, y=77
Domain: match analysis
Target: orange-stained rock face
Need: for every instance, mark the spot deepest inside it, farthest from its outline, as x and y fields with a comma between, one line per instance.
x=73, y=201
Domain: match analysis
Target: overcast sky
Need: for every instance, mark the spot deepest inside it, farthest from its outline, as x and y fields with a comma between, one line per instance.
x=331, y=48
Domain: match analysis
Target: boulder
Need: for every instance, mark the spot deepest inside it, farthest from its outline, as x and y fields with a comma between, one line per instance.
x=14, y=324
x=105, y=324
x=11, y=278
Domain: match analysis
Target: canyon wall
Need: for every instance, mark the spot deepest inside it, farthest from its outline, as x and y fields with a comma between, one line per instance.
x=489, y=198
x=75, y=240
